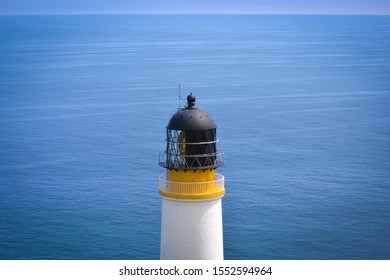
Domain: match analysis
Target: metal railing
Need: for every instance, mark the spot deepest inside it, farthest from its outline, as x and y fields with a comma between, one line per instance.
x=194, y=188
x=183, y=161
x=188, y=143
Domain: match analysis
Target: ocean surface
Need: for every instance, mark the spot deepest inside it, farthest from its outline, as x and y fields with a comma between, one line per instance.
x=302, y=105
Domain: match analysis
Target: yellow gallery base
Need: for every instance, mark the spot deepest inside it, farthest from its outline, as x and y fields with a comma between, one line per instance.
x=198, y=176
x=219, y=192
x=192, y=184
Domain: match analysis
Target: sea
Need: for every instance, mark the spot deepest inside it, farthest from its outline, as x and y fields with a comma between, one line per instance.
x=302, y=104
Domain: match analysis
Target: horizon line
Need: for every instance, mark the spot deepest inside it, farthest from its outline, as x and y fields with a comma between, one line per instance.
x=194, y=13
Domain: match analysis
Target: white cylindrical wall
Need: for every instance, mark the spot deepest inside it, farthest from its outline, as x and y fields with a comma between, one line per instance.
x=191, y=229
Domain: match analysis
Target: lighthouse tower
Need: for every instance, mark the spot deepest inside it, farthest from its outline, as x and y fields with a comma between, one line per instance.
x=191, y=190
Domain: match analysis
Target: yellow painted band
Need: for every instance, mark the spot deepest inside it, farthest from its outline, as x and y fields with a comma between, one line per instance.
x=206, y=175
x=208, y=195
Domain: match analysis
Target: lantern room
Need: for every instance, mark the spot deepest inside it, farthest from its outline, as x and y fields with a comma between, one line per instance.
x=191, y=156
x=191, y=140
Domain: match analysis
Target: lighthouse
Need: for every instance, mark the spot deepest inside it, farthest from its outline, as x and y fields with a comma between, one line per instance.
x=191, y=189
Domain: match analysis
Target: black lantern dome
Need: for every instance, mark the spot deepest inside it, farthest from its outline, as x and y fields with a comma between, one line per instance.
x=191, y=139
x=191, y=118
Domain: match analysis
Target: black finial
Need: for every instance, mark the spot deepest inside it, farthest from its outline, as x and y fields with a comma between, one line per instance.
x=191, y=100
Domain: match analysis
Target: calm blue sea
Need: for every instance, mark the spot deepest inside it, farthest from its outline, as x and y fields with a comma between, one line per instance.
x=302, y=105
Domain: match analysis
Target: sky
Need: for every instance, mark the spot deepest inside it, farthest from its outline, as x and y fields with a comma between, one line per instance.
x=9, y=7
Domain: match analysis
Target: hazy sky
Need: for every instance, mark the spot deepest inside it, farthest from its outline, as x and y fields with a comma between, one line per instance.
x=195, y=6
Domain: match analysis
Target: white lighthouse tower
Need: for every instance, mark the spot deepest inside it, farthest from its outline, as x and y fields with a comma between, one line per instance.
x=191, y=190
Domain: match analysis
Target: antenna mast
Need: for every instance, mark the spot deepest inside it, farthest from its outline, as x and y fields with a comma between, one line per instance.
x=179, y=94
